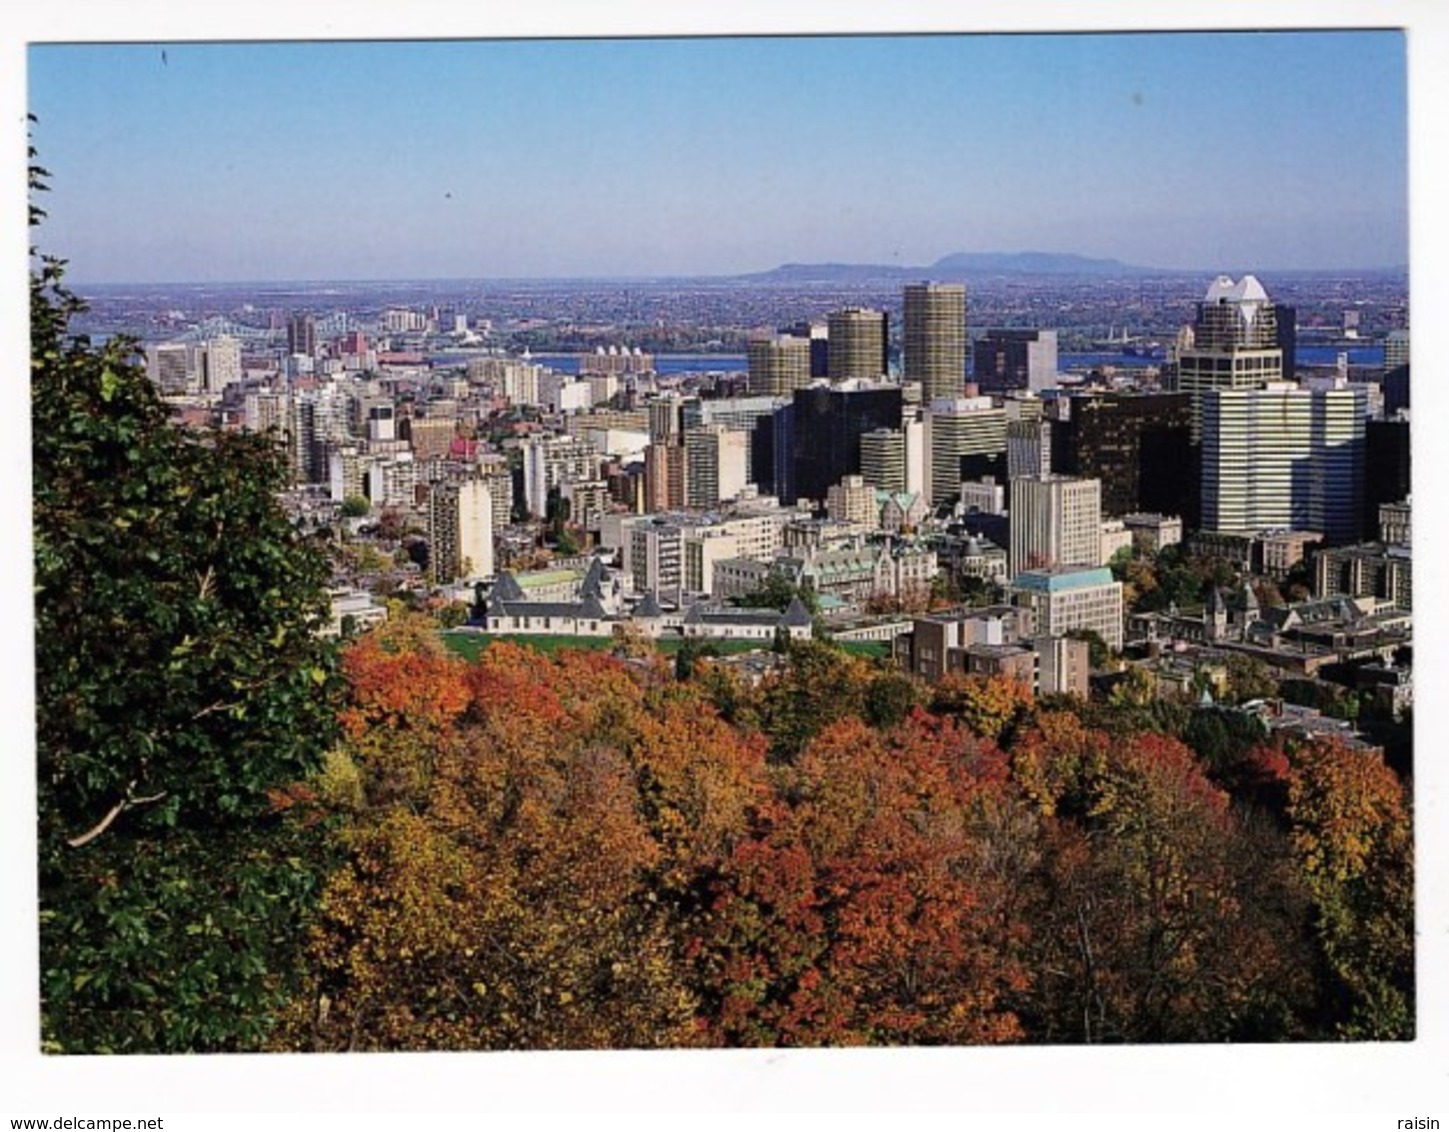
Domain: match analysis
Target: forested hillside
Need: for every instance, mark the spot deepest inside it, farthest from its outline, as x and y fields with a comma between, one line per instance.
x=587, y=852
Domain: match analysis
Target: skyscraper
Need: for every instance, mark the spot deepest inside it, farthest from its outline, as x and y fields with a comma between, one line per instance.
x=818, y=335
x=738, y=413
x=1396, y=349
x=859, y=342
x=1386, y=468
x=956, y=429
x=715, y=457
x=825, y=428
x=664, y=422
x=935, y=338
x=1235, y=343
x=883, y=459
x=666, y=476
x=1396, y=372
x=1028, y=448
x=221, y=363
x=1283, y=456
x=1136, y=444
x=1286, y=336
x=778, y=365
x=169, y=366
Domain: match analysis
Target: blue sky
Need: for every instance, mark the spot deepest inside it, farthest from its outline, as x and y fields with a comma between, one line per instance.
x=675, y=156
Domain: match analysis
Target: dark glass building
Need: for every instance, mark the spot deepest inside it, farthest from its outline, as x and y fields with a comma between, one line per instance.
x=762, y=451
x=1007, y=360
x=1287, y=338
x=1137, y=445
x=1385, y=468
x=827, y=425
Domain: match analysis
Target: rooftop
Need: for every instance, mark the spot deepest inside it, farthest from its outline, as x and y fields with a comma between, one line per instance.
x=1062, y=578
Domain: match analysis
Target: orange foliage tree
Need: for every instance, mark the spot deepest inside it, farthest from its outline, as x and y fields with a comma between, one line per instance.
x=502, y=902
x=582, y=852
x=986, y=705
x=858, y=916
x=1144, y=918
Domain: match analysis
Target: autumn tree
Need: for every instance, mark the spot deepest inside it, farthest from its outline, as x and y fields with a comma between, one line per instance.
x=1352, y=836
x=819, y=685
x=181, y=684
x=1145, y=903
x=701, y=782
x=861, y=913
x=500, y=899
x=985, y=705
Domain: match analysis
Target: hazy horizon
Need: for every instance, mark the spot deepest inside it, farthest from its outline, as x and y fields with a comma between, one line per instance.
x=679, y=158
x=79, y=280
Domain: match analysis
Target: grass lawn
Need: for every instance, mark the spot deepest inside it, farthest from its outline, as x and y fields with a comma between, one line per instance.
x=871, y=650
x=470, y=645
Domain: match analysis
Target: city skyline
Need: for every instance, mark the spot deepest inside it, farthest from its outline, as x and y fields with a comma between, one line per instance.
x=271, y=169
x=694, y=156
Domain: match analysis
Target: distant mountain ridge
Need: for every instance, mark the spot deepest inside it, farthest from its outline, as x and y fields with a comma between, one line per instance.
x=954, y=266
x=1036, y=263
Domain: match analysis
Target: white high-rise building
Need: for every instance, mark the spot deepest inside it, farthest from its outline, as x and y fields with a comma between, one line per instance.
x=1283, y=456
x=221, y=363
x=563, y=392
x=917, y=460
x=1234, y=343
x=389, y=480
x=1055, y=521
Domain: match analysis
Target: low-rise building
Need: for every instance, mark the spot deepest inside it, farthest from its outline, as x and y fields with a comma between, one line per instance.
x=729, y=623
x=1371, y=569
x=994, y=641
x=1064, y=600
x=1115, y=537
x=901, y=511
x=1151, y=532
x=352, y=609
x=1279, y=551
